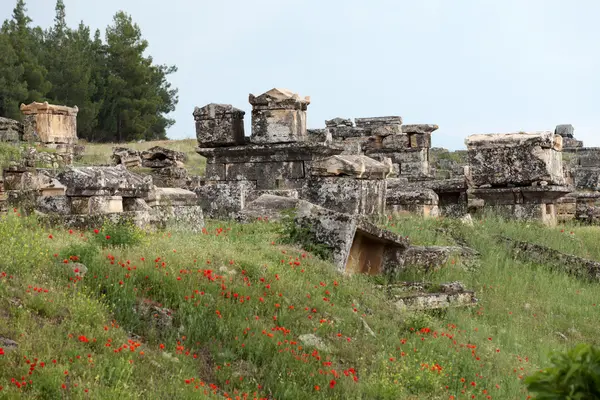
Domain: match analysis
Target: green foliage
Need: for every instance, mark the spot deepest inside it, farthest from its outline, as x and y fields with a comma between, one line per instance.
x=8, y=153
x=118, y=234
x=21, y=246
x=79, y=252
x=122, y=95
x=574, y=375
x=292, y=233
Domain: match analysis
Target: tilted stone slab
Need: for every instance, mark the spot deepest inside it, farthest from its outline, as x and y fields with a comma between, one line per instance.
x=517, y=158
x=357, y=246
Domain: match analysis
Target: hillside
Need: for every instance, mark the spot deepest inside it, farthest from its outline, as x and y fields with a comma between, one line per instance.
x=232, y=313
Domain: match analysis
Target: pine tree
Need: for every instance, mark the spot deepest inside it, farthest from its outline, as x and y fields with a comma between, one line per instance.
x=137, y=94
x=13, y=88
x=28, y=45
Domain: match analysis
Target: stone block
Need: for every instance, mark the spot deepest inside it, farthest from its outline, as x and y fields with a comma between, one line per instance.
x=173, y=177
x=588, y=157
x=420, y=128
x=280, y=175
x=105, y=204
x=336, y=122
x=53, y=205
x=179, y=217
x=215, y=172
x=278, y=126
x=255, y=194
x=386, y=130
x=515, y=159
x=396, y=142
x=223, y=199
x=219, y=125
x=565, y=130
x=267, y=206
x=126, y=156
x=135, y=204
x=420, y=168
x=360, y=167
x=347, y=195
x=241, y=171
x=419, y=140
x=402, y=200
x=585, y=178
x=162, y=196
x=319, y=136
x=377, y=121
x=343, y=132
x=54, y=188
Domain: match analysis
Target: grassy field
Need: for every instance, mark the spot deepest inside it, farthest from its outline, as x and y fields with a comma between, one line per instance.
x=224, y=313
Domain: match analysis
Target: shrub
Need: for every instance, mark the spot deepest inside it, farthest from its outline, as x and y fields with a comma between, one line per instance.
x=573, y=376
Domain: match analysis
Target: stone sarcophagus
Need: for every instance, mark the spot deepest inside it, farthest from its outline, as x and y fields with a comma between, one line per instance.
x=48, y=123
x=519, y=175
x=519, y=159
x=278, y=116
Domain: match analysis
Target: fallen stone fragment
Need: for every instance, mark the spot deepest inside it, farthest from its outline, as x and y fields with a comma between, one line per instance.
x=419, y=296
x=574, y=265
x=311, y=340
x=431, y=258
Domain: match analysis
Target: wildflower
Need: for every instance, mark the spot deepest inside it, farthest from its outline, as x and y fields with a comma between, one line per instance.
x=107, y=237
x=50, y=237
x=332, y=383
x=1, y=351
x=96, y=231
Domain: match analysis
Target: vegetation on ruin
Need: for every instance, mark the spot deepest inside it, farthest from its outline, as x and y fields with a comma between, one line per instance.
x=121, y=93
x=224, y=313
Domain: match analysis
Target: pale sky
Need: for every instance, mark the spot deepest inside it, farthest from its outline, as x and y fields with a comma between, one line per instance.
x=470, y=66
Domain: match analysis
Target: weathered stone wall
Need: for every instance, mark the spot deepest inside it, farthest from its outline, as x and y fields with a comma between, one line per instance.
x=10, y=130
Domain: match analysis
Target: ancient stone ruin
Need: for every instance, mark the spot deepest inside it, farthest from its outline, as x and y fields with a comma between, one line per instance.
x=518, y=175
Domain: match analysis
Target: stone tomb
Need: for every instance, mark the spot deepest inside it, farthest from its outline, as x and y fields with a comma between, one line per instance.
x=519, y=175
x=53, y=126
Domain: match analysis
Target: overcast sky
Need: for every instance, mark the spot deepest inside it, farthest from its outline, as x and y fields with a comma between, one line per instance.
x=470, y=66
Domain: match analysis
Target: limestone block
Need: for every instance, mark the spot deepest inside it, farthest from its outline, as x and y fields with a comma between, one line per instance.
x=336, y=122
x=348, y=195
x=361, y=167
x=515, y=159
x=278, y=126
x=223, y=199
x=588, y=157
x=565, y=130
x=215, y=172
x=219, y=125
x=420, y=128
x=419, y=140
x=53, y=205
x=396, y=142
x=280, y=175
x=171, y=197
x=343, y=132
x=135, y=204
x=179, y=217
x=170, y=177
x=585, y=178
x=105, y=204
x=419, y=168
x=241, y=171
x=54, y=188
x=319, y=135
x=267, y=206
x=373, y=122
